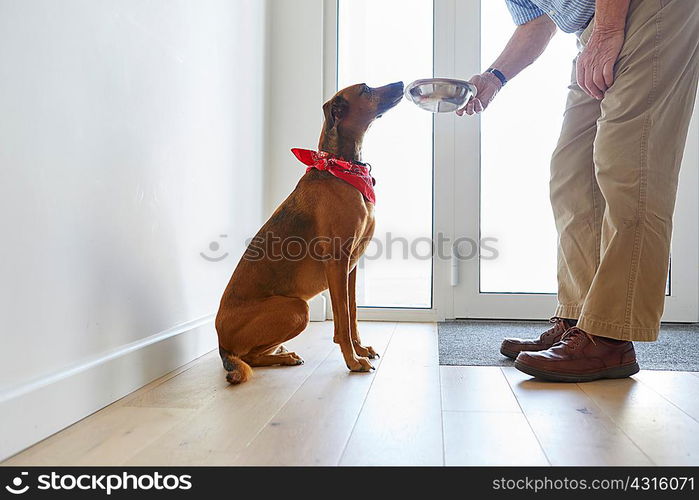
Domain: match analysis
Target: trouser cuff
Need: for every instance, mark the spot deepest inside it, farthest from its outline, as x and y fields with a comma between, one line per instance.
x=616, y=331
x=568, y=311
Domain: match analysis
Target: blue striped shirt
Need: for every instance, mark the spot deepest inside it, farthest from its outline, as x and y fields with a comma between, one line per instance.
x=569, y=15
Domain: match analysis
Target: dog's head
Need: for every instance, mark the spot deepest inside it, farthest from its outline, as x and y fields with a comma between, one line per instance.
x=352, y=110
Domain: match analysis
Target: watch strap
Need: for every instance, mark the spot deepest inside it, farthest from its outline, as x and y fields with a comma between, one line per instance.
x=498, y=74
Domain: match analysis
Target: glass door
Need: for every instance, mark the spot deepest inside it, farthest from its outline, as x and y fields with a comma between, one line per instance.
x=501, y=172
x=477, y=186
x=380, y=42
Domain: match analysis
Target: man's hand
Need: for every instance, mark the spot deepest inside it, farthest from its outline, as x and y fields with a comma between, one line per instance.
x=526, y=44
x=487, y=85
x=595, y=66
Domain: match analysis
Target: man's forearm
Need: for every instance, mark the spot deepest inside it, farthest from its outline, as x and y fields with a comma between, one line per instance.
x=526, y=45
x=610, y=15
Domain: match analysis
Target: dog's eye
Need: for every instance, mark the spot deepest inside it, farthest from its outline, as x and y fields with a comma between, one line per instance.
x=365, y=89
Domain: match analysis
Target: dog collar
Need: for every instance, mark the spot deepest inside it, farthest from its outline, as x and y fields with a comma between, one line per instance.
x=354, y=173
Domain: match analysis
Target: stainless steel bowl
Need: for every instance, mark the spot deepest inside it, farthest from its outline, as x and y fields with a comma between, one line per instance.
x=440, y=95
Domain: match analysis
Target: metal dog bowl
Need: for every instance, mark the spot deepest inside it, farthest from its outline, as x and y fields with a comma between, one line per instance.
x=440, y=95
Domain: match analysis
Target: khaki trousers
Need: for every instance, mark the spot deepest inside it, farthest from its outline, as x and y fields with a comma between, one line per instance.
x=614, y=175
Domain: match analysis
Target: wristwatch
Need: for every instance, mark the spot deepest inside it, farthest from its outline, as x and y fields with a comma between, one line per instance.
x=498, y=74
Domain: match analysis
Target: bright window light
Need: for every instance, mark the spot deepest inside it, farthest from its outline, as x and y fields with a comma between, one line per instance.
x=376, y=46
x=518, y=135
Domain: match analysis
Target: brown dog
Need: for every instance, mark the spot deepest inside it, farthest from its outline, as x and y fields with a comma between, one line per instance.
x=331, y=222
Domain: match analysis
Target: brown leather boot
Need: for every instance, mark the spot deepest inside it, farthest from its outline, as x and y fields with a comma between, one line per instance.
x=512, y=347
x=580, y=357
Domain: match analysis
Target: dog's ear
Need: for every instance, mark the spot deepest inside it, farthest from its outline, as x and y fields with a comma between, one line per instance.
x=335, y=109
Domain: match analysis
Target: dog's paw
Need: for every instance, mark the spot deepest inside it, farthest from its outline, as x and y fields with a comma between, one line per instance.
x=289, y=359
x=360, y=364
x=295, y=357
x=367, y=352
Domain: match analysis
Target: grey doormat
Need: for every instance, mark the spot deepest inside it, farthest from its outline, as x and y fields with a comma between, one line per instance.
x=477, y=343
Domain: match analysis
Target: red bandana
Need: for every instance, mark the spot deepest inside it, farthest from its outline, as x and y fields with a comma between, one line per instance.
x=352, y=173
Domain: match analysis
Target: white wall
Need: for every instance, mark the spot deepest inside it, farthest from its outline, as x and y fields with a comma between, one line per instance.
x=295, y=69
x=131, y=136
x=295, y=93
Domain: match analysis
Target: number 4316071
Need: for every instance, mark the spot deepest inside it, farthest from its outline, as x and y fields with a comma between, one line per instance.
x=662, y=483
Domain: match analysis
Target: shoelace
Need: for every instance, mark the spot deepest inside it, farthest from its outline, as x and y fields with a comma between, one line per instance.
x=559, y=327
x=573, y=337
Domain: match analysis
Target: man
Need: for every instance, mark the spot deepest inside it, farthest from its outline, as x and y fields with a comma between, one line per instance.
x=613, y=174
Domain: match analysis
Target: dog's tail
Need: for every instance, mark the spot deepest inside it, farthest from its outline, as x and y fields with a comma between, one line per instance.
x=238, y=370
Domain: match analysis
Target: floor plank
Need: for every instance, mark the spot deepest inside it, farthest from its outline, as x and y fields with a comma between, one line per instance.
x=483, y=422
x=476, y=388
x=219, y=430
x=144, y=391
x=109, y=437
x=488, y=438
x=316, y=422
x=680, y=388
x=55, y=451
x=570, y=426
x=401, y=421
x=410, y=411
x=664, y=432
x=202, y=383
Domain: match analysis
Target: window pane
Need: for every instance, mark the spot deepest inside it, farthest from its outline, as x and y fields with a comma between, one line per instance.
x=518, y=134
x=376, y=46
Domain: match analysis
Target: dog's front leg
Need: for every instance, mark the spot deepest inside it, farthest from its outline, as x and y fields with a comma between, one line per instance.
x=367, y=351
x=337, y=275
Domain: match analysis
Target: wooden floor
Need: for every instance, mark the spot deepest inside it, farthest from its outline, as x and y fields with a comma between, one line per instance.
x=409, y=411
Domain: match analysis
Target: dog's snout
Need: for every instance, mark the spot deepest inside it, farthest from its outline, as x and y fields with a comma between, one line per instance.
x=393, y=87
x=397, y=90
x=390, y=96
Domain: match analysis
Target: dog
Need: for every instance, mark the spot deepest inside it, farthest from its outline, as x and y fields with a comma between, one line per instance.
x=331, y=219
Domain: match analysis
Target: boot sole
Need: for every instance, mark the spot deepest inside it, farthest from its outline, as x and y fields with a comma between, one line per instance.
x=623, y=371
x=514, y=354
x=509, y=354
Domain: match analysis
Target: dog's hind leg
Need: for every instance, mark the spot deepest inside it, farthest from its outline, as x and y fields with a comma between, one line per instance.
x=287, y=359
x=255, y=331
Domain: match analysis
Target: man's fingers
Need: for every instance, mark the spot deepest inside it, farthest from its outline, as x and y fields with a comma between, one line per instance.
x=580, y=75
x=464, y=110
x=476, y=105
x=588, y=83
x=598, y=80
x=592, y=88
x=608, y=74
x=595, y=64
x=472, y=107
x=586, y=79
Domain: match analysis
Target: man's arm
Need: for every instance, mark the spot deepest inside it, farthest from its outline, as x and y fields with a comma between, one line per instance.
x=525, y=46
x=595, y=67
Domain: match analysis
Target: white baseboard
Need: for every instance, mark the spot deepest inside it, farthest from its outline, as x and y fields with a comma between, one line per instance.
x=38, y=408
